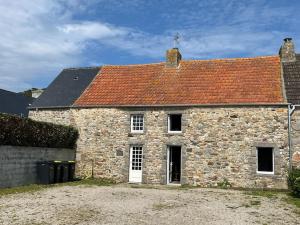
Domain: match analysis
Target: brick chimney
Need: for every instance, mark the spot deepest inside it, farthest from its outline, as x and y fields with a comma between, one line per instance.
x=287, y=51
x=173, y=57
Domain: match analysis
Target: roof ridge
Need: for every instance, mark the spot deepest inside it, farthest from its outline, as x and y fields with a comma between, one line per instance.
x=241, y=58
x=84, y=67
x=195, y=60
x=143, y=64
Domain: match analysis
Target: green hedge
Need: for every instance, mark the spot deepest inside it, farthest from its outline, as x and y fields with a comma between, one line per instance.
x=294, y=182
x=26, y=132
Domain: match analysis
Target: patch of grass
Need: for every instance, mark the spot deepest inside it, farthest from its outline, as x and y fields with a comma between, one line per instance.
x=293, y=200
x=246, y=205
x=22, y=189
x=37, y=187
x=188, y=186
x=225, y=184
x=287, y=197
x=164, y=187
x=251, y=203
x=77, y=215
x=255, y=202
x=90, y=182
x=144, y=186
x=263, y=193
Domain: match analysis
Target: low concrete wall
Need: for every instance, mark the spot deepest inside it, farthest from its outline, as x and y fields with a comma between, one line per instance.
x=18, y=164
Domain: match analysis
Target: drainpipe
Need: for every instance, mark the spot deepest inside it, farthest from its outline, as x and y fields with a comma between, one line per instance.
x=291, y=109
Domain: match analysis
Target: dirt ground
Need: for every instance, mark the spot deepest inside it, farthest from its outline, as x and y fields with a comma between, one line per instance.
x=127, y=205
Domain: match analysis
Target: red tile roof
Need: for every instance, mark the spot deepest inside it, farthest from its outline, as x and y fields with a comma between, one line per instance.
x=224, y=81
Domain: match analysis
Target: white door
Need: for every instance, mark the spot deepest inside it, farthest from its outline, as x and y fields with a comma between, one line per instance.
x=136, y=164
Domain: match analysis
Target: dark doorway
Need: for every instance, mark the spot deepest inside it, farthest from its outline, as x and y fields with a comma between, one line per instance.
x=174, y=164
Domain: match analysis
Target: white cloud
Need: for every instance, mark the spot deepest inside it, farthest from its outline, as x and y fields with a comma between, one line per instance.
x=40, y=37
x=92, y=30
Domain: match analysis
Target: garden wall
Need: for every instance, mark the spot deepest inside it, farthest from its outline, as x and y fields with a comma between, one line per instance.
x=18, y=163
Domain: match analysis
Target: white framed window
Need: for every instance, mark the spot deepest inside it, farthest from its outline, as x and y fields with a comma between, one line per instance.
x=174, y=123
x=265, y=160
x=136, y=157
x=137, y=123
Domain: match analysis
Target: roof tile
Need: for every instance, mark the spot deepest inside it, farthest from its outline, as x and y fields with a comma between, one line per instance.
x=229, y=81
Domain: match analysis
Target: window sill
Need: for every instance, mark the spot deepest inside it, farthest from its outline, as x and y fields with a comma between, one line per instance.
x=130, y=134
x=174, y=133
x=265, y=173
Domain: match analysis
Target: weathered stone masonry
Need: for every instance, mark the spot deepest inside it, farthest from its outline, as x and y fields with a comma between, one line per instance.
x=295, y=137
x=217, y=143
x=59, y=116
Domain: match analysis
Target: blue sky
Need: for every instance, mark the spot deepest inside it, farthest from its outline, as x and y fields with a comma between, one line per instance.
x=41, y=37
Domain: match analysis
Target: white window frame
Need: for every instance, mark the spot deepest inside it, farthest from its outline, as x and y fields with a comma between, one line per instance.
x=132, y=125
x=169, y=123
x=273, y=158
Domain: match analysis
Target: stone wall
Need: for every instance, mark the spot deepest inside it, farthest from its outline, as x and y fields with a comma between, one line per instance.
x=58, y=116
x=18, y=164
x=217, y=143
x=295, y=133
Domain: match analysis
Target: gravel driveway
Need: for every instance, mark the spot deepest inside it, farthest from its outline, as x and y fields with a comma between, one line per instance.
x=126, y=205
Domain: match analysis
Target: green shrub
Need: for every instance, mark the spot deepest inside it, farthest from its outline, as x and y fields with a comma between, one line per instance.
x=294, y=182
x=224, y=184
x=26, y=132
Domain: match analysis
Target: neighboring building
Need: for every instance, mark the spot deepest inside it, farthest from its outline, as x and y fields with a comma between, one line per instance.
x=60, y=95
x=14, y=103
x=291, y=71
x=198, y=122
x=34, y=92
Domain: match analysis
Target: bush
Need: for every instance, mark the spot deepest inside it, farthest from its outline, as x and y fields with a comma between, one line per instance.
x=26, y=132
x=294, y=182
x=224, y=184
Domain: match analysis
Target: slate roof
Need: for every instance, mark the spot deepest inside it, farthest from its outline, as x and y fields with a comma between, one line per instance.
x=14, y=103
x=66, y=88
x=194, y=82
x=291, y=74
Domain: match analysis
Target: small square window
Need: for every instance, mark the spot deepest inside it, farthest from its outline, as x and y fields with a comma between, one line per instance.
x=137, y=123
x=265, y=160
x=174, y=123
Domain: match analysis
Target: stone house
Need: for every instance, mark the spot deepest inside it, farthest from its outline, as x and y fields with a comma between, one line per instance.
x=197, y=122
x=291, y=71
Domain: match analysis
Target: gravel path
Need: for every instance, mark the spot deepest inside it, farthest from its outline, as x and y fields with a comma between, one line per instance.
x=124, y=205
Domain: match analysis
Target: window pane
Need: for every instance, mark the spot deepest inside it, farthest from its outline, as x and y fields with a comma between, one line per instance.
x=265, y=159
x=137, y=152
x=137, y=122
x=175, y=122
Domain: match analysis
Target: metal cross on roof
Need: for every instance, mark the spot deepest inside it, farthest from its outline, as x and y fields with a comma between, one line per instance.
x=176, y=40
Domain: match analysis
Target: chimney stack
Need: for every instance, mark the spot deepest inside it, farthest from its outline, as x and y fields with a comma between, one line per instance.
x=287, y=51
x=173, y=57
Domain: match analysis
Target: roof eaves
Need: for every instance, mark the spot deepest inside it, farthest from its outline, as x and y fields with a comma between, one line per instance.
x=181, y=105
x=48, y=107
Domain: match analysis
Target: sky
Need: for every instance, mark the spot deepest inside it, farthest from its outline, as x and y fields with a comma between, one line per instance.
x=41, y=37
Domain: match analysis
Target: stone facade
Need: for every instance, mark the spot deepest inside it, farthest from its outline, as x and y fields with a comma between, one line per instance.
x=57, y=116
x=218, y=143
x=295, y=136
